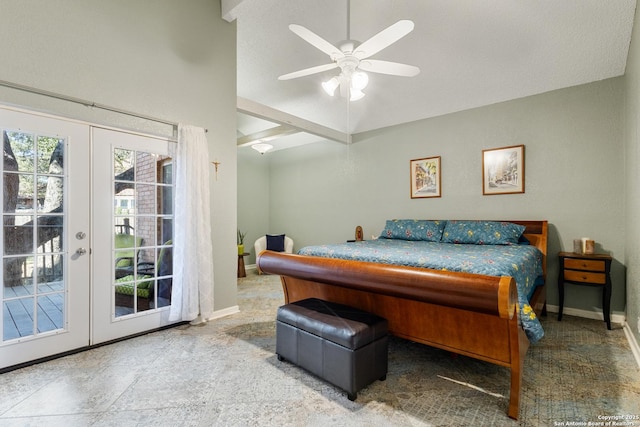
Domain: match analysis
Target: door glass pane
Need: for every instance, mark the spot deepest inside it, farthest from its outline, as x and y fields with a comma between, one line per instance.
x=146, y=199
x=50, y=237
x=165, y=200
x=146, y=167
x=165, y=274
x=123, y=164
x=50, y=273
x=25, y=196
x=143, y=216
x=18, y=318
x=23, y=147
x=146, y=226
x=17, y=276
x=18, y=234
x=34, y=290
x=50, y=155
x=50, y=312
x=165, y=229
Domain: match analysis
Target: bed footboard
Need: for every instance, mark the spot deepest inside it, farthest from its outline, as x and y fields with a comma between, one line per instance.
x=483, y=294
x=469, y=314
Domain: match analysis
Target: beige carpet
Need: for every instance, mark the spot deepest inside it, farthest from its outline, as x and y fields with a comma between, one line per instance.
x=225, y=373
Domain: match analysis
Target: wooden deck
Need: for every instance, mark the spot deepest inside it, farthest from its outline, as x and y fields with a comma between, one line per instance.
x=18, y=314
x=18, y=310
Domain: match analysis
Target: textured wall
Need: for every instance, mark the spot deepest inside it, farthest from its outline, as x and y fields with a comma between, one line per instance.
x=574, y=177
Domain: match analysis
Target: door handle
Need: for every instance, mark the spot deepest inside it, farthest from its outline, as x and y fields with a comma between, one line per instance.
x=81, y=251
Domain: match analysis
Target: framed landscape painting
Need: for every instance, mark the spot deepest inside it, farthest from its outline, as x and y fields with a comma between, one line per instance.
x=425, y=177
x=503, y=170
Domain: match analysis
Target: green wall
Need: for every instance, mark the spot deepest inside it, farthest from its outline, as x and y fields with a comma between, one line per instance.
x=253, y=199
x=574, y=177
x=632, y=182
x=158, y=58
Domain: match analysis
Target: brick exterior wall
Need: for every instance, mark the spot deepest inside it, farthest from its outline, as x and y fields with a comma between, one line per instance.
x=148, y=201
x=148, y=198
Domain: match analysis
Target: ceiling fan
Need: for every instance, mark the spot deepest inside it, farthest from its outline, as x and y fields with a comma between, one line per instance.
x=352, y=58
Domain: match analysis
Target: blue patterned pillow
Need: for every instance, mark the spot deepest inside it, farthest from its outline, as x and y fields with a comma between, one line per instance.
x=413, y=229
x=482, y=232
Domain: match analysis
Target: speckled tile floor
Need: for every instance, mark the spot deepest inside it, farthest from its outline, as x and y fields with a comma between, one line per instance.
x=225, y=373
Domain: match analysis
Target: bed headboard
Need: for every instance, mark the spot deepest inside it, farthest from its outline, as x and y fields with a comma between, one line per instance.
x=536, y=233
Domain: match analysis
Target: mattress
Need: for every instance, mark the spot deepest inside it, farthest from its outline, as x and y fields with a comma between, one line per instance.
x=522, y=262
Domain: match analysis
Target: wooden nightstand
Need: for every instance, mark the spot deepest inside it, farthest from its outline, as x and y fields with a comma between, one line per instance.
x=586, y=269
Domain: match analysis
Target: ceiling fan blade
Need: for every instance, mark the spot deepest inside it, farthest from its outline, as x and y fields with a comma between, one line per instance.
x=308, y=71
x=386, y=67
x=316, y=41
x=384, y=38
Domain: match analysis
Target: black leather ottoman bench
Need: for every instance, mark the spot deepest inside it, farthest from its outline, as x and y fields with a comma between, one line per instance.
x=342, y=345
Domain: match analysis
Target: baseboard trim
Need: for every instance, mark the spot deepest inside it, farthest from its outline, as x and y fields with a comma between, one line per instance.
x=619, y=319
x=635, y=349
x=224, y=312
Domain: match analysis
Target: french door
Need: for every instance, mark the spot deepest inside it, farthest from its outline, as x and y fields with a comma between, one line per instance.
x=133, y=233
x=45, y=235
x=87, y=235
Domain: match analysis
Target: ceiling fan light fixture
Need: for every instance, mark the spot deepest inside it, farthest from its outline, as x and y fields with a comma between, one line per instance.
x=359, y=80
x=356, y=94
x=331, y=85
x=262, y=147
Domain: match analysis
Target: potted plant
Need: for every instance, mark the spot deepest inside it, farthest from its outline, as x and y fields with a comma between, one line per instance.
x=241, y=242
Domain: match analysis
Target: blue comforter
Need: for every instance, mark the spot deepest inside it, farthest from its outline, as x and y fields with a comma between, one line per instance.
x=522, y=262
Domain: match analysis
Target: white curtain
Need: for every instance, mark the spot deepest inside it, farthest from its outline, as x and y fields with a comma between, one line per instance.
x=192, y=292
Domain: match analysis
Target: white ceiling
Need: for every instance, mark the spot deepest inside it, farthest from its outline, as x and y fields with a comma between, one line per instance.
x=470, y=53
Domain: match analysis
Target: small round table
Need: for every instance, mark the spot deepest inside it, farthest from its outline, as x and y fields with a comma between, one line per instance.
x=241, y=271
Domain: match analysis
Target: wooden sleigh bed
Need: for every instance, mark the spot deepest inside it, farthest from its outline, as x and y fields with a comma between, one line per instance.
x=469, y=314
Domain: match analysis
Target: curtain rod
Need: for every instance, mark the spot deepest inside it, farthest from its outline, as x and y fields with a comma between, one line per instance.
x=88, y=103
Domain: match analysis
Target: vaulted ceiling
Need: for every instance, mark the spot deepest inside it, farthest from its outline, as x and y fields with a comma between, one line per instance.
x=470, y=54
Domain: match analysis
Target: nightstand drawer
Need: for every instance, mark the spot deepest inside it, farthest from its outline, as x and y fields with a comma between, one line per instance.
x=584, y=276
x=584, y=264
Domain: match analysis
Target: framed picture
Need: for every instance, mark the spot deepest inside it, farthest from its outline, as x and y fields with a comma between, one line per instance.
x=425, y=177
x=503, y=170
